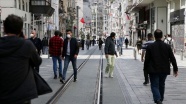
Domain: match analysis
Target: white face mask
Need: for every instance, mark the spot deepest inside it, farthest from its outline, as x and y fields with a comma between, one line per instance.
x=31, y=35
x=68, y=36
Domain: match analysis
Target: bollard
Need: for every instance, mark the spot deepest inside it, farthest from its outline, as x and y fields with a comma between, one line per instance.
x=182, y=54
x=134, y=53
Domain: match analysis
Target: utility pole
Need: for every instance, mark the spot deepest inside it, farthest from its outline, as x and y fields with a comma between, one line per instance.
x=77, y=8
x=96, y=18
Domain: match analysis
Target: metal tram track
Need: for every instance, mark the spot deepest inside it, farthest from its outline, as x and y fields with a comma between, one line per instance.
x=98, y=96
x=61, y=90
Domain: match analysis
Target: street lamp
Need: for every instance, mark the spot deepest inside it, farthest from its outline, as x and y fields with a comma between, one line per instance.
x=96, y=17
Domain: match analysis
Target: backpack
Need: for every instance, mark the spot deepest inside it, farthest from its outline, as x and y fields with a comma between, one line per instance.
x=169, y=42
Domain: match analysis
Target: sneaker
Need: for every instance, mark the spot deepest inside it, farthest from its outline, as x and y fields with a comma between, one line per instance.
x=106, y=75
x=75, y=79
x=111, y=76
x=62, y=81
x=55, y=76
x=146, y=82
x=159, y=102
x=60, y=76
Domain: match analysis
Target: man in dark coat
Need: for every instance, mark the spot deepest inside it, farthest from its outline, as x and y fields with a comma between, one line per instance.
x=82, y=43
x=70, y=53
x=38, y=44
x=109, y=54
x=157, y=64
x=45, y=45
x=17, y=84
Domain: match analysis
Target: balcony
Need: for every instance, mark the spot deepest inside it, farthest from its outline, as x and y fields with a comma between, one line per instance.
x=41, y=7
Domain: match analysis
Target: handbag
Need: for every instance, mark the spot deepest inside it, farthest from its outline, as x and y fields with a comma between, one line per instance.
x=41, y=85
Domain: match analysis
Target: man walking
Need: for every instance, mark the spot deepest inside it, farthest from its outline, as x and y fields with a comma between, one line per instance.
x=55, y=50
x=109, y=54
x=144, y=46
x=38, y=44
x=70, y=53
x=157, y=64
x=120, y=44
x=45, y=45
x=170, y=42
x=126, y=43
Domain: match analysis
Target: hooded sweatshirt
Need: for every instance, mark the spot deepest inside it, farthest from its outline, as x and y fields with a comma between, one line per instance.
x=16, y=80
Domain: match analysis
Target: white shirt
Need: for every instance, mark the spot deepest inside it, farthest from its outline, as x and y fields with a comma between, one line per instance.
x=68, y=48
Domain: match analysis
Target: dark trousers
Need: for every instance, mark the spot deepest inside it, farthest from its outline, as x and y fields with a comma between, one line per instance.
x=158, y=86
x=100, y=46
x=37, y=68
x=146, y=76
x=66, y=63
x=25, y=102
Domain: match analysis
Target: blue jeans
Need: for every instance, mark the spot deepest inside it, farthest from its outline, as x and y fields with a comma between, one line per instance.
x=66, y=63
x=45, y=50
x=55, y=59
x=158, y=86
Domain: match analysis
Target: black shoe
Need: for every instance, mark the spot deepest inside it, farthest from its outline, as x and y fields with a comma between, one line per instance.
x=159, y=102
x=55, y=76
x=146, y=82
x=60, y=76
x=75, y=79
x=62, y=81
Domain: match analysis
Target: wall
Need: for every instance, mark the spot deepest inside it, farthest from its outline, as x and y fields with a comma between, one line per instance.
x=10, y=7
x=161, y=15
x=80, y=4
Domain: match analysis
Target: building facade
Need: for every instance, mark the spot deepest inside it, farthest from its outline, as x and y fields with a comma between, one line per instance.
x=167, y=15
x=18, y=7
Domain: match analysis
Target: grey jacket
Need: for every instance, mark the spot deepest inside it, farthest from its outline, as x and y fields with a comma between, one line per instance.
x=110, y=46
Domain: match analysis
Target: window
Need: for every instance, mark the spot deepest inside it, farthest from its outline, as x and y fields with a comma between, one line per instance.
x=172, y=5
x=15, y=1
x=23, y=4
x=182, y=3
x=26, y=6
x=19, y=4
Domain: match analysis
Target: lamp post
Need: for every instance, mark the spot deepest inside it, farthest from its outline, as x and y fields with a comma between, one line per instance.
x=96, y=18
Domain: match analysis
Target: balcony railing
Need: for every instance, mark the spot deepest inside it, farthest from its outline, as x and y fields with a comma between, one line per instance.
x=41, y=7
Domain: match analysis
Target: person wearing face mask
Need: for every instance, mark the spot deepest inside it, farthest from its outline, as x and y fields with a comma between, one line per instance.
x=109, y=54
x=70, y=53
x=37, y=43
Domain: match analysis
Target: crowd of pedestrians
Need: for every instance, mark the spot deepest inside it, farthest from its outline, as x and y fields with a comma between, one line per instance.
x=20, y=60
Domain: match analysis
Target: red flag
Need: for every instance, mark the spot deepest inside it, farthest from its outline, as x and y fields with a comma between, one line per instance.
x=82, y=20
x=128, y=17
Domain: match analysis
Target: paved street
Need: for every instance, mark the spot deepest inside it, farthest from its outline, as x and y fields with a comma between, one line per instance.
x=125, y=88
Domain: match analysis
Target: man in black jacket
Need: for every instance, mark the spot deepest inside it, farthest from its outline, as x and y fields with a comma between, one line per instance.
x=109, y=54
x=70, y=53
x=17, y=83
x=38, y=44
x=157, y=64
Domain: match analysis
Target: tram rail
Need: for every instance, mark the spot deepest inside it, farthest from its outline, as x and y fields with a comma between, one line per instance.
x=97, y=97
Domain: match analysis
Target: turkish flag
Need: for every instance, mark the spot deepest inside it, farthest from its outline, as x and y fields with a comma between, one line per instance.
x=128, y=17
x=82, y=20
